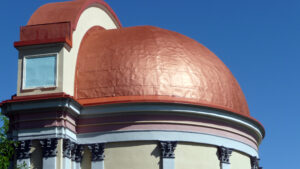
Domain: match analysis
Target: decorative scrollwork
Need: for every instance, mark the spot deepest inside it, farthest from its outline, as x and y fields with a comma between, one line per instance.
x=97, y=151
x=255, y=163
x=68, y=147
x=168, y=148
x=224, y=154
x=23, y=149
x=49, y=147
x=78, y=153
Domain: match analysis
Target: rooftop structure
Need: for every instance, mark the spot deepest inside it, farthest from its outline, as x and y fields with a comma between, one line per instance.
x=94, y=95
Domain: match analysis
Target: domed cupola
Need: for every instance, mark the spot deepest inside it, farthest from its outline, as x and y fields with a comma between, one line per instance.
x=92, y=94
x=150, y=64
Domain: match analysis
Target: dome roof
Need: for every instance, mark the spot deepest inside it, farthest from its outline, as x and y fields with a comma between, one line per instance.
x=68, y=11
x=150, y=64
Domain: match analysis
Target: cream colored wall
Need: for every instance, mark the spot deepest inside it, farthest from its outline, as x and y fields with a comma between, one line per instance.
x=239, y=161
x=132, y=155
x=59, y=154
x=86, y=159
x=92, y=16
x=196, y=156
x=36, y=160
x=146, y=155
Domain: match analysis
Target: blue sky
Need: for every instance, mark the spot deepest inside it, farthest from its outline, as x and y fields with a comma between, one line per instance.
x=258, y=40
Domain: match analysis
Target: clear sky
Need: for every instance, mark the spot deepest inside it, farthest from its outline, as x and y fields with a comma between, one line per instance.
x=259, y=40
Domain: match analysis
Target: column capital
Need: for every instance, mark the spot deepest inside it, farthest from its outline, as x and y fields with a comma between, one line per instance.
x=224, y=154
x=97, y=151
x=167, y=148
x=23, y=149
x=68, y=147
x=49, y=147
x=78, y=153
x=255, y=163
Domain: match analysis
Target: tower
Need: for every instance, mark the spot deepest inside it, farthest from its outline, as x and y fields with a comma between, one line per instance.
x=92, y=94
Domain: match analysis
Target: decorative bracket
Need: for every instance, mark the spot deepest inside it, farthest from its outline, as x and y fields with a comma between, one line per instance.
x=49, y=147
x=168, y=148
x=78, y=153
x=68, y=147
x=254, y=163
x=97, y=151
x=224, y=154
x=23, y=149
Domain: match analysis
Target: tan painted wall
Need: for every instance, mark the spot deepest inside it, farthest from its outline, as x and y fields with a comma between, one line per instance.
x=59, y=154
x=92, y=16
x=196, y=156
x=146, y=155
x=86, y=159
x=239, y=161
x=36, y=159
x=132, y=155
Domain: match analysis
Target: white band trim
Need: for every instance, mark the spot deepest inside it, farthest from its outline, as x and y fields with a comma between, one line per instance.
x=123, y=136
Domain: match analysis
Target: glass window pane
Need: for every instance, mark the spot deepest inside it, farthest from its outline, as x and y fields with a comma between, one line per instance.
x=40, y=72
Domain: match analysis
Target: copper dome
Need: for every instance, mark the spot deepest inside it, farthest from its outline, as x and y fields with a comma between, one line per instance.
x=150, y=64
x=68, y=11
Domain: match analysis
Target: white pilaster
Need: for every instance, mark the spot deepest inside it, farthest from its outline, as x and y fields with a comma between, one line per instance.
x=23, y=162
x=77, y=157
x=74, y=164
x=49, y=162
x=77, y=165
x=225, y=166
x=67, y=163
x=49, y=147
x=97, y=151
x=23, y=154
x=97, y=164
x=224, y=154
x=168, y=163
x=167, y=154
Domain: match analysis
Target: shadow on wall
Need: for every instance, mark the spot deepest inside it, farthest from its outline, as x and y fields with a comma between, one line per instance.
x=156, y=153
x=36, y=159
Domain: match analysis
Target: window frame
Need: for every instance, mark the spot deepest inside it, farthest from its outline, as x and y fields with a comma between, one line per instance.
x=25, y=57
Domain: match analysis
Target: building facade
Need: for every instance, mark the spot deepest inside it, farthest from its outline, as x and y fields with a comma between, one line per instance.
x=92, y=94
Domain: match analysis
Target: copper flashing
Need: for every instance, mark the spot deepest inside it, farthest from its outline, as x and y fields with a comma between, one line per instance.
x=55, y=22
x=45, y=34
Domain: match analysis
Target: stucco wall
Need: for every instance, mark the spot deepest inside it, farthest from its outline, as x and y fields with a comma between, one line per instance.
x=92, y=16
x=239, y=161
x=196, y=156
x=132, y=155
x=146, y=155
